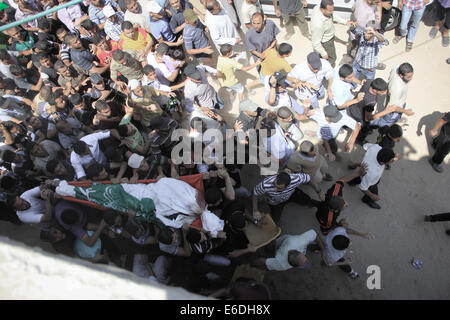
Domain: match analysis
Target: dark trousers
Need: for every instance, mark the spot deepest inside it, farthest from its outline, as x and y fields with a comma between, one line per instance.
x=346, y=267
x=298, y=197
x=333, y=145
x=372, y=188
x=440, y=217
x=364, y=132
x=442, y=149
x=330, y=48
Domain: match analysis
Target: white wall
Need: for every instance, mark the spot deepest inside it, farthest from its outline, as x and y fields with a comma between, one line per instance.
x=30, y=273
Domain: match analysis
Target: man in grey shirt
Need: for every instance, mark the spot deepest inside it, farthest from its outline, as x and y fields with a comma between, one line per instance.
x=261, y=36
x=293, y=9
x=199, y=90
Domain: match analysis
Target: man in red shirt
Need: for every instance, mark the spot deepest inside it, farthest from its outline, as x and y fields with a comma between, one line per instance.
x=105, y=49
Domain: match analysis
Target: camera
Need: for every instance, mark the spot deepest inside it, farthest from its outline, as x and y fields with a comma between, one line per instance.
x=173, y=104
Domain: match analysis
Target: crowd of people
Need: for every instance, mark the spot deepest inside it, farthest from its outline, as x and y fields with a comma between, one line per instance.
x=96, y=91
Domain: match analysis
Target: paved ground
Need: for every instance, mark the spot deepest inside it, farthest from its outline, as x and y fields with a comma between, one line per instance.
x=408, y=191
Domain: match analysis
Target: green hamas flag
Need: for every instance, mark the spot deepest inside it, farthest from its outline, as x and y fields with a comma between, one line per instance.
x=3, y=6
x=114, y=196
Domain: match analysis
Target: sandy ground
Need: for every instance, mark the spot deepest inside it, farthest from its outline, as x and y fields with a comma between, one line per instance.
x=408, y=191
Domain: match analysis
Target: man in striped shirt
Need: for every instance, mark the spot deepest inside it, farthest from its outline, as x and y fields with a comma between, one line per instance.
x=280, y=189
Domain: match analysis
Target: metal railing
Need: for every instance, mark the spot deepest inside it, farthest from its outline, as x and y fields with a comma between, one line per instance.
x=39, y=15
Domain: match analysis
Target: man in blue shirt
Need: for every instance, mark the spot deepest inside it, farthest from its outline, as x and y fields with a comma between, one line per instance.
x=160, y=29
x=195, y=39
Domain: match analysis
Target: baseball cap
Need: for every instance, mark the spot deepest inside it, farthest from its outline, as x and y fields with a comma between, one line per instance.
x=281, y=77
x=96, y=78
x=192, y=72
x=190, y=16
x=314, y=60
x=108, y=11
x=333, y=113
x=373, y=24
x=284, y=112
x=247, y=105
x=336, y=203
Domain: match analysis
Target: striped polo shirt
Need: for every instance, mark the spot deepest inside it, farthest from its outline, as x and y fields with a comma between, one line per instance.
x=274, y=197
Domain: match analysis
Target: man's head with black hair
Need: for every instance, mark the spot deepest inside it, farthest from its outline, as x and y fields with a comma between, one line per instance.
x=76, y=99
x=126, y=130
x=405, y=71
x=197, y=123
x=81, y=148
x=44, y=25
x=17, y=71
x=193, y=235
x=102, y=107
x=346, y=73
x=282, y=181
x=284, y=50
x=69, y=217
x=385, y=156
x=238, y=221
x=327, y=8
x=128, y=29
x=9, y=156
x=167, y=236
x=51, y=165
x=395, y=132
x=5, y=56
x=226, y=50
x=96, y=172
x=177, y=54
x=379, y=86
x=340, y=242
x=161, y=50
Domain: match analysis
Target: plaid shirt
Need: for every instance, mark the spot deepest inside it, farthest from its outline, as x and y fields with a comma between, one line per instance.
x=113, y=30
x=414, y=4
x=367, y=54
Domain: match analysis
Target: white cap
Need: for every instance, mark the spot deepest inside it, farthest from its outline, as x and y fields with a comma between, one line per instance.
x=108, y=11
x=133, y=84
x=135, y=161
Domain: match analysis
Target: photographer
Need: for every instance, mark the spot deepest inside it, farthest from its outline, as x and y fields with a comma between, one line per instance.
x=277, y=95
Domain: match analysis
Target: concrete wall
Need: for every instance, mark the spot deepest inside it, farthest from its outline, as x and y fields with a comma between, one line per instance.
x=31, y=273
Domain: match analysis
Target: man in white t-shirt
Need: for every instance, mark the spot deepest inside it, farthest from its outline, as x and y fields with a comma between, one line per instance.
x=291, y=252
x=340, y=90
x=87, y=151
x=375, y=159
x=155, y=59
x=330, y=122
x=312, y=71
x=336, y=244
x=277, y=94
x=33, y=206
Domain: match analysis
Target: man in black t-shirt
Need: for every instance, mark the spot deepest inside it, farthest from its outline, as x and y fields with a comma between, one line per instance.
x=363, y=110
x=441, y=142
x=329, y=210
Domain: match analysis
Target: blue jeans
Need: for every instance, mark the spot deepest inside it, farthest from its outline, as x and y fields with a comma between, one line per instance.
x=357, y=69
x=406, y=16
